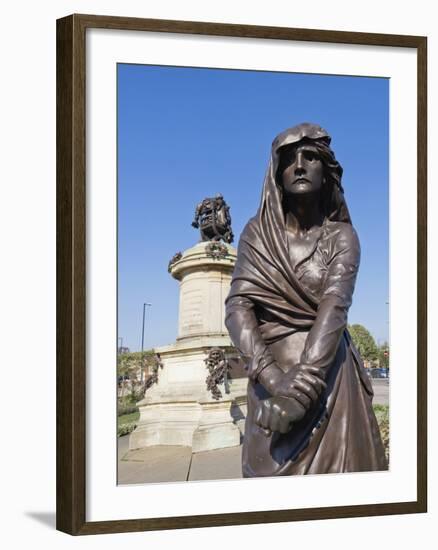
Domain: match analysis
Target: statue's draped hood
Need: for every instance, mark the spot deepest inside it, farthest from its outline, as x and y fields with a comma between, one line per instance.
x=271, y=196
x=300, y=132
x=263, y=270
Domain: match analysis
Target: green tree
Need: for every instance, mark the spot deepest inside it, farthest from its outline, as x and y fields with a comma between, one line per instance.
x=136, y=371
x=383, y=355
x=364, y=342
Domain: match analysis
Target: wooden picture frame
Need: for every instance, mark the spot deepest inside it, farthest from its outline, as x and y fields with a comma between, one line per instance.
x=71, y=273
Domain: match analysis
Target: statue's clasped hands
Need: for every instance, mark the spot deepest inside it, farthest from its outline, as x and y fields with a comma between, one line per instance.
x=293, y=394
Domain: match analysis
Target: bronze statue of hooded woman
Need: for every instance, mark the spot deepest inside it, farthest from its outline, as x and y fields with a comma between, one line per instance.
x=309, y=396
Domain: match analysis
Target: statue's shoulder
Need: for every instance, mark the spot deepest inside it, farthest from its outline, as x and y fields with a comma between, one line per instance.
x=340, y=229
x=341, y=235
x=250, y=234
x=251, y=227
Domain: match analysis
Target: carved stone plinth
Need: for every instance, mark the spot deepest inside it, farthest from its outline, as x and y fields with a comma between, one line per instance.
x=179, y=410
x=204, y=284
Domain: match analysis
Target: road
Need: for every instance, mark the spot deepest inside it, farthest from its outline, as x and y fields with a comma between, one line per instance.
x=381, y=391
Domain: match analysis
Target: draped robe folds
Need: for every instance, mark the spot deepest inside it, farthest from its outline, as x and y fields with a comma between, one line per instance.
x=298, y=314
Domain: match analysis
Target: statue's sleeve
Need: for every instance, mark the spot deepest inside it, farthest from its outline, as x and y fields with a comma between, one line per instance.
x=323, y=339
x=243, y=327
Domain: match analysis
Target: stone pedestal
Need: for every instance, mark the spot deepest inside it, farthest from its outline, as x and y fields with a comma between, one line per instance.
x=204, y=285
x=179, y=410
x=215, y=430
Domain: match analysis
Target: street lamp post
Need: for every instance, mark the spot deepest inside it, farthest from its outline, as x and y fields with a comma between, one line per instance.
x=142, y=338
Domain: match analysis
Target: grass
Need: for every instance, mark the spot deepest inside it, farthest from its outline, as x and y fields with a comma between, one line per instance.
x=127, y=418
x=382, y=415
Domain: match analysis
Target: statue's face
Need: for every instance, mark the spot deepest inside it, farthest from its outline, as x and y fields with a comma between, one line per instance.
x=303, y=171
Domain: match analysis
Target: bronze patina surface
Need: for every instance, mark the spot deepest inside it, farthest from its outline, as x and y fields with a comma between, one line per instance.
x=309, y=397
x=212, y=217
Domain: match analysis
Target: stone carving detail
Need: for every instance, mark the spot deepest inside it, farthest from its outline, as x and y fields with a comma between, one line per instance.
x=212, y=217
x=175, y=258
x=153, y=378
x=218, y=368
x=216, y=250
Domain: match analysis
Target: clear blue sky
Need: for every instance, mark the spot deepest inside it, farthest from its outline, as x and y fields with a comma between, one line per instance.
x=185, y=134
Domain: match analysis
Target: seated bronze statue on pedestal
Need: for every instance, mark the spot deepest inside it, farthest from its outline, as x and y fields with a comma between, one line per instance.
x=309, y=397
x=212, y=217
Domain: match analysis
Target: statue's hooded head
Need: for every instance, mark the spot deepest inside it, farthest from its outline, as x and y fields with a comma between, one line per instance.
x=332, y=199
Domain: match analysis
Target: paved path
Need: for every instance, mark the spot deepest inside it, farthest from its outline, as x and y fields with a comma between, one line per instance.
x=176, y=463
x=163, y=463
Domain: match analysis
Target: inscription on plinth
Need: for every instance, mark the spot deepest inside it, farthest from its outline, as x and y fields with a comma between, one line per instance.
x=204, y=285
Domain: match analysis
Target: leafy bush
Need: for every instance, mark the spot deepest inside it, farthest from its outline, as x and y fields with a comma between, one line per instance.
x=126, y=429
x=126, y=405
x=127, y=423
